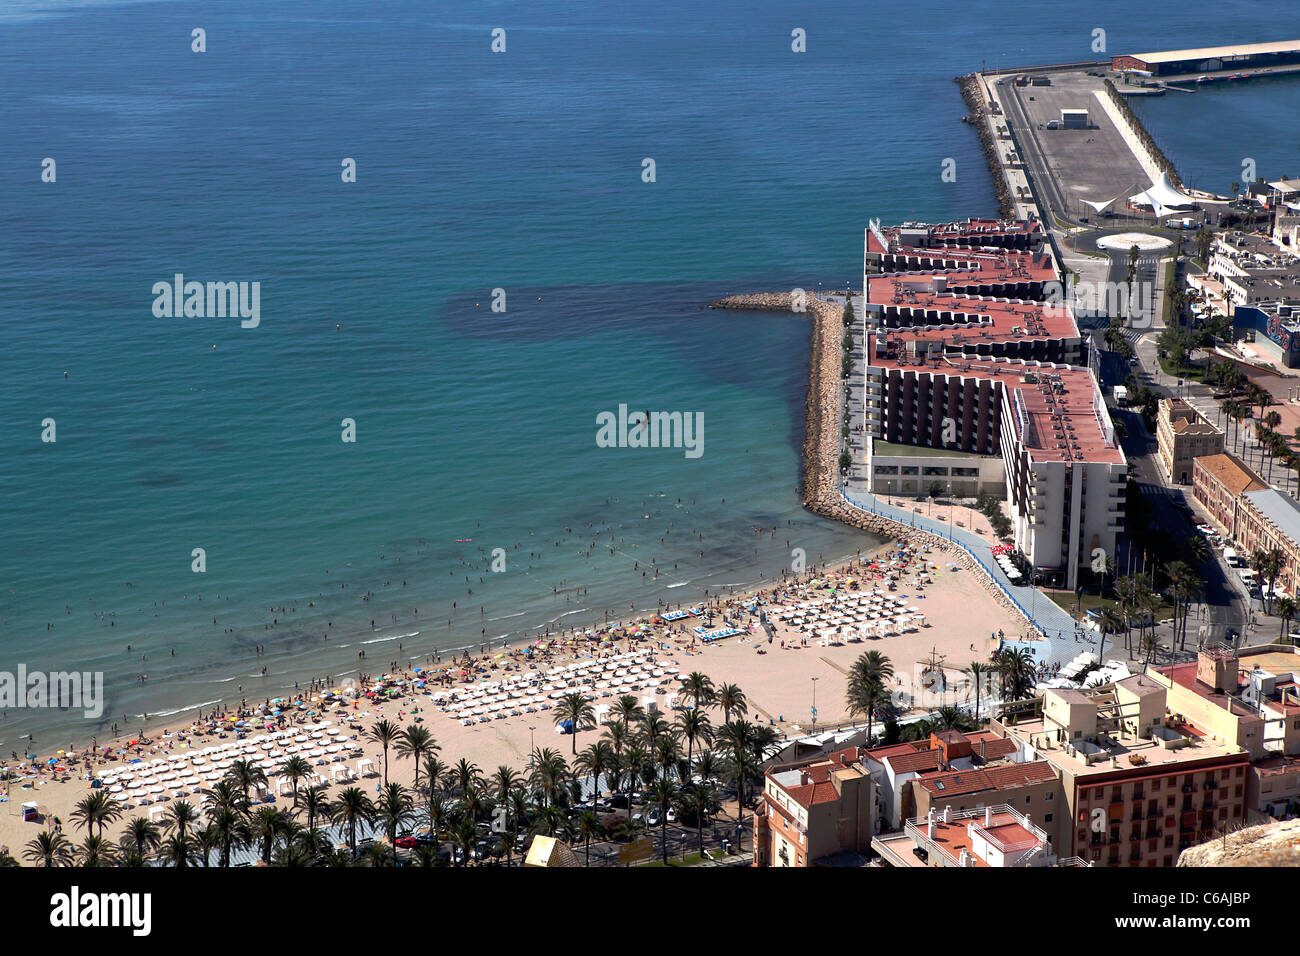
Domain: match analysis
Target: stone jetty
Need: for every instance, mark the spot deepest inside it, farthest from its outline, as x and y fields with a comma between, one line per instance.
x=819, y=479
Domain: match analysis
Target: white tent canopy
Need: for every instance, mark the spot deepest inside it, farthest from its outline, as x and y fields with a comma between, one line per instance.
x=1100, y=206
x=1163, y=197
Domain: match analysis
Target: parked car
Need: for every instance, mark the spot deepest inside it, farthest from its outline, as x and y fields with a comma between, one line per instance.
x=407, y=842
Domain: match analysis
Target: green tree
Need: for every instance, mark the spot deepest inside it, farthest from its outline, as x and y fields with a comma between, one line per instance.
x=576, y=711
x=416, y=741
x=49, y=849
x=351, y=808
x=385, y=733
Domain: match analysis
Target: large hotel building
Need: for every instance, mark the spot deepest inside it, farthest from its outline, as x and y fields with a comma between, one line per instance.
x=974, y=379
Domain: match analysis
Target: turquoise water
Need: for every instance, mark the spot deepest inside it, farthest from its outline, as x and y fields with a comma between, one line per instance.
x=476, y=171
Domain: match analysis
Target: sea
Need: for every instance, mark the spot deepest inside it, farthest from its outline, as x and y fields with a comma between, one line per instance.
x=474, y=229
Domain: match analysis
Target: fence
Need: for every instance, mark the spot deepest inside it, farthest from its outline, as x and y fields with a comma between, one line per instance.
x=1051, y=618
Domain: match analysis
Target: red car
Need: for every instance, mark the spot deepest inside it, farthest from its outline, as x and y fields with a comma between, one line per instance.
x=407, y=842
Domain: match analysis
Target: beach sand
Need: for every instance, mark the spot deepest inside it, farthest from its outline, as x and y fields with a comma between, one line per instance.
x=962, y=616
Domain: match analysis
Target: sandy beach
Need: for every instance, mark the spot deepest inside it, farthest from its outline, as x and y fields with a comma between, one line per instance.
x=962, y=617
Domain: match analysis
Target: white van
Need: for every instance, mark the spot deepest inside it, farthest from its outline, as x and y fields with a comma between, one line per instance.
x=1230, y=556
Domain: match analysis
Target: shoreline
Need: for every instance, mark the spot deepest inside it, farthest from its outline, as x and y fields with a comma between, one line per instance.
x=819, y=470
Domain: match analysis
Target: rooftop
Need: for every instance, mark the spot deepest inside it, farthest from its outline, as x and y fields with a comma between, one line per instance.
x=962, y=235
x=986, y=319
x=889, y=449
x=958, y=782
x=1213, y=52
x=1092, y=758
x=1230, y=472
x=1052, y=422
x=1280, y=509
x=961, y=838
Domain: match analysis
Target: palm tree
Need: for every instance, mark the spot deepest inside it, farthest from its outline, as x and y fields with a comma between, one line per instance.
x=1017, y=672
x=267, y=825
x=693, y=723
x=295, y=768
x=246, y=775
x=1112, y=622
x=378, y=854
x=732, y=700
x=439, y=812
x=698, y=689
x=594, y=761
x=872, y=667
x=465, y=776
x=141, y=838
x=384, y=733
x=464, y=838
x=549, y=773
x=95, y=810
x=416, y=742
x=664, y=793
x=652, y=728
x=181, y=819
x=315, y=803
x=864, y=695
x=1197, y=549
x=392, y=807
x=95, y=851
x=1286, y=609
x=1274, y=562
x=634, y=767
x=588, y=826
x=951, y=718
x=576, y=711
x=351, y=808
x=667, y=753
x=49, y=849
x=978, y=673
x=618, y=735
x=627, y=711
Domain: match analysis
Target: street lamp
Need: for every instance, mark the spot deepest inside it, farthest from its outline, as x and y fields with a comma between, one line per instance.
x=814, y=703
x=950, y=511
x=531, y=748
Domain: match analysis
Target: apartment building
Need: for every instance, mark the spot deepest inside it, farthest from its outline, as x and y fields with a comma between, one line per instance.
x=1139, y=781
x=964, y=355
x=996, y=836
x=1250, y=698
x=816, y=813
x=1218, y=483
x=1182, y=435
x=1270, y=520
x=1032, y=788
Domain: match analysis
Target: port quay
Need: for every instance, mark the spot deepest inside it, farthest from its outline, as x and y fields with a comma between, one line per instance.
x=960, y=348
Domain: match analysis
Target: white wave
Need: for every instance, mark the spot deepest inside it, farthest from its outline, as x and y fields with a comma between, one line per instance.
x=180, y=710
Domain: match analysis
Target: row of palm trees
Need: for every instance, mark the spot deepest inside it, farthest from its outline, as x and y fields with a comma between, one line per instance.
x=685, y=765
x=869, y=676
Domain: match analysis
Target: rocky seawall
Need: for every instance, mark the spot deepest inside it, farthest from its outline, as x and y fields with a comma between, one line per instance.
x=1140, y=141
x=973, y=94
x=819, y=478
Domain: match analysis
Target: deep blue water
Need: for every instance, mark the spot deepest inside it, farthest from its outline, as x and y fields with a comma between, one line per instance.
x=476, y=171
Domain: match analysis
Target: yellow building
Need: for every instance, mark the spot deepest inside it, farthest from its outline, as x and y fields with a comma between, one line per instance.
x=1183, y=435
